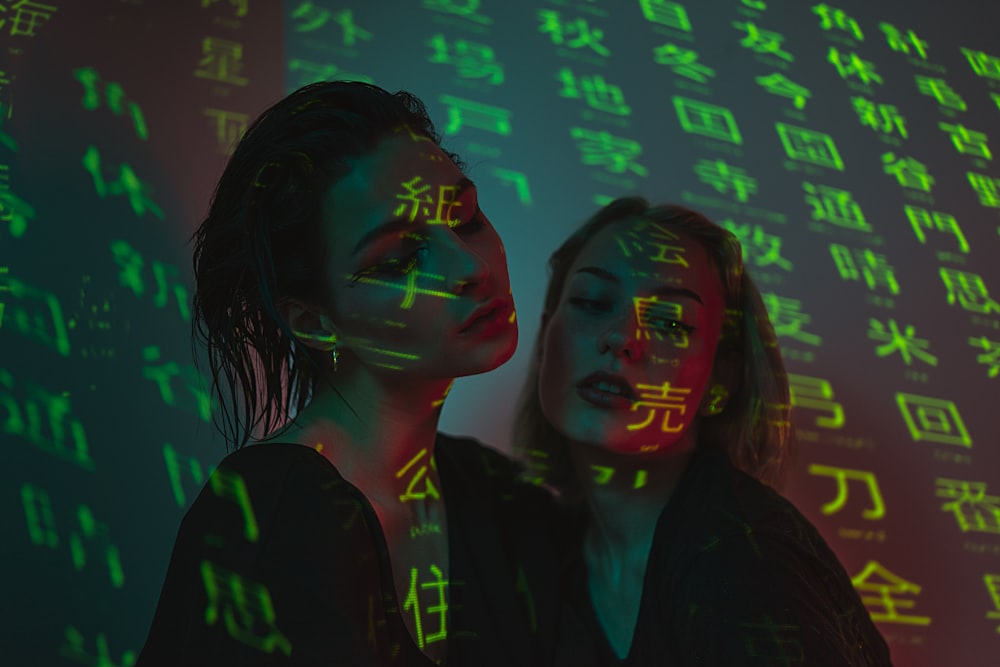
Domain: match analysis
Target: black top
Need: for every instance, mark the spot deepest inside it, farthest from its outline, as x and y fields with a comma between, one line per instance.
x=736, y=576
x=290, y=567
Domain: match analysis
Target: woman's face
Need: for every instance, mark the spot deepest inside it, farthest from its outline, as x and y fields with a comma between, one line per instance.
x=629, y=350
x=419, y=274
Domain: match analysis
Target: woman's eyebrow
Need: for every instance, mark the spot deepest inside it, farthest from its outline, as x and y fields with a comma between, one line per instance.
x=396, y=225
x=660, y=290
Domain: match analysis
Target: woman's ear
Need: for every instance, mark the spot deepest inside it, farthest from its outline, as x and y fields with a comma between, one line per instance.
x=310, y=325
x=724, y=382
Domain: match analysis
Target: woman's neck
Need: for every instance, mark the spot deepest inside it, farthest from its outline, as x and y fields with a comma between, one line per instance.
x=378, y=432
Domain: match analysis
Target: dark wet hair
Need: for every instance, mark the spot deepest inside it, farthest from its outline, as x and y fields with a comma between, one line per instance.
x=754, y=429
x=262, y=243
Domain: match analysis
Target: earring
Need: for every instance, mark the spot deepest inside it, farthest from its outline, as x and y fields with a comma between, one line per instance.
x=335, y=354
x=718, y=401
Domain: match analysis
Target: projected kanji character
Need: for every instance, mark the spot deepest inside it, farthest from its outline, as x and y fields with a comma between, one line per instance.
x=164, y=374
x=438, y=585
x=222, y=60
x=229, y=485
x=969, y=290
x=973, y=509
x=27, y=17
x=470, y=59
x=788, y=319
x=417, y=469
x=93, y=531
x=75, y=650
x=574, y=34
x=46, y=420
x=901, y=43
x=905, y=342
x=780, y=85
x=616, y=154
x=309, y=71
x=990, y=356
x=921, y=219
x=416, y=195
x=835, y=206
x=816, y=393
x=655, y=317
x=810, y=146
x=986, y=187
x=229, y=128
x=842, y=476
x=113, y=94
x=598, y=93
x=128, y=184
x=851, y=65
x=672, y=401
x=966, y=141
x=908, y=171
x=882, y=118
x=164, y=275
x=831, y=17
x=245, y=608
x=176, y=464
x=874, y=267
x=983, y=64
x=933, y=419
x=516, y=178
x=653, y=243
x=683, y=62
x=669, y=14
x=241, y=6
x=940, y=91
x=992, y=582
x=39, y=517
x=762, y=41
x=759, y=247
x=462, y=112
x=36, y=314
x=312, y=18
x=14, y=211
x=994, y=96
x=726, y=178
x=467, y=9
x=883, y=585
x=708, y=120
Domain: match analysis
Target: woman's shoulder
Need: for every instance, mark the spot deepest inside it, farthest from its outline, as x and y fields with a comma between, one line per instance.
x=480, y=468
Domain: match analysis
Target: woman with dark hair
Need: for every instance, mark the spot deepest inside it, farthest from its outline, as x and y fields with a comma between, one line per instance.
x=345, y=277
x=657, y=406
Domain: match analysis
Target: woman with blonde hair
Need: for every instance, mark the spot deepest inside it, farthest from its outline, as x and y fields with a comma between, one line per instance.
x=657, y=407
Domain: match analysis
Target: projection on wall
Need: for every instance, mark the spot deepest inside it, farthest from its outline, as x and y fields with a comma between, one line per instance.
x=848, y=146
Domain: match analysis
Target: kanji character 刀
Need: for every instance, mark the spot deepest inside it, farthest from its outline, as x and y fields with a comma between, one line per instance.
x=933, y=420
x=881, y=586
x=842, y=476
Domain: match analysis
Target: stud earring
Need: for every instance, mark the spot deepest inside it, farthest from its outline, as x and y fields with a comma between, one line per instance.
x=718, y=401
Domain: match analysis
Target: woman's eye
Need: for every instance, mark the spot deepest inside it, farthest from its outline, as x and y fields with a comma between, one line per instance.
x=396, y=266
x=672, y=328
x=473, y=225
x=593, y=305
